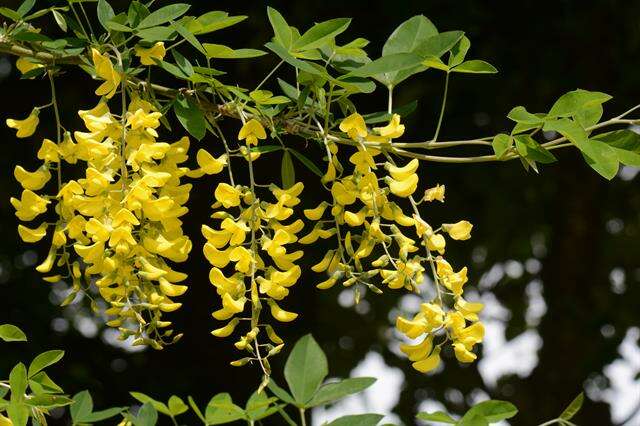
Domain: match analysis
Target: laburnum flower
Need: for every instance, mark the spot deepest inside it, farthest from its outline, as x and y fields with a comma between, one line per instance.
x=392, y=130
x=435, y=193
x=26, y=127
x=458, y=231
x=24, y=65
x=150, y=55
x=251, y=131
x=354, y=126
x=104, y=70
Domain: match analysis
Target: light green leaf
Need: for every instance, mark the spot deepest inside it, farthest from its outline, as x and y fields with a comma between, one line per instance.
x=573, y=408
x=331, y=392
x=588, y=117
x=527, y=147
x=472, y=419
x=493, y=410
x=459, y=51
x=18, y=413
x=116, y=26
x=437, y=416
x=157, y=405
x=18, y=382
x=59, y=18
x=196, y=409
x=105, y=13
x=42, y=383
x=475, y=66
x=154, y=34
x=626, y=144
x=187, y=35
x=11, y=333
x=519, y=114
x=501, y=144
x=387, y=64
x=163, y=15
x=107, y=413
x=212, y=21
x=321, y=33
x=136, y=13
x=44, y=360
x=176, y=405
x=11, y=14
x=281, y=30
x=47, y=401
x=305, y=369
x=288, y=58
x=190, y=116
x=435, y=62
x=279, y=392
x=224, y=52
x=287, y=171
x=81, y=407
x=147, y=416
x=259, y=406
x=572, y=102
x=26, y=7
x=357, y=420
x=221, y=409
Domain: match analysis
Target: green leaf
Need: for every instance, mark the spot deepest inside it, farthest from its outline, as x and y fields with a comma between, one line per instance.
x=59, y=18
x=281, y=30
x=494, y=410
x=81, y=407
x=212, y=21
x=387, y=64
x=147, y=416
x=182, y=63
x=187, y=35
x=11, y=333
x=321, y=33
x=501, y=144
x=18, y=382
x=225, y=52
x=288, y=58
x=157, y=405
x=287, y=171
x=357, y=420
x=107, y=413
x=475, y=66
x=435, y=62
x=305, y=369
x=105, y=13
x=573, y=408
x=116, y=26
x=136, y=13
x=600, y=156
x=196, y=409
x=588, y=117
x=44, y=360
x=18, y=414
x=472, y=419
x=11, y=14
x=259, y=406
x=190, y=116
x=176, y=405
x=573, y=102
x=307, y=162
x=437, y=416
x=279, y=392
x=154, y=34
x=42, y=383
x=409, y=35
x=221, y=409
x=331, y=392
x=626, y=144
x=47, y=401
x=519, y=114
x=26, y=7
x=163, y=15
x=383, y=116
x=264, y=149
x=527, y=147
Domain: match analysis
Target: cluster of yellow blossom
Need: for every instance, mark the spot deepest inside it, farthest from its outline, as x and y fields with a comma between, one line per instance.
x=121, y=218
x=366, y=221
x=250, y=261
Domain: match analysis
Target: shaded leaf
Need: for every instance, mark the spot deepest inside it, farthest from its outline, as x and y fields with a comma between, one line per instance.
x=475, y=66
x=303, y=380
x=105, y=13
x=287, y=171
x=331, y=392
x=190, y=116
x=357, y=420
x=163, y=15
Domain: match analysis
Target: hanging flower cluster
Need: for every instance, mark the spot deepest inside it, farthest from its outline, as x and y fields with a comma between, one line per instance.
x=365, y=220
x=251, y=264
x=122, y=218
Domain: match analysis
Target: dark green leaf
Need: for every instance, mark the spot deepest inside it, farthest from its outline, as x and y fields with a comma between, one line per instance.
x=305, y=369
x=11, y=333
x=164, y=14
x=387, y=64
x=279, y=392
x=573, y=408
x=409, y=35
x=320, y=33
x=136, y=13
x=190, y=116
x=26, y=7
x=154, y=34
x=105, y=13
x=383, y=116
x=307, y=162
x=44, y=360
x=281, y=29
x=59, y=18
x=475, y=66
x=357, y=420
x=188, y=36
x=288, y=58
x=287, y=171
x=11, y=14
x=331, y=392
x=221, y=409
x=527, y=147
x=259, y=406
x=459, y=51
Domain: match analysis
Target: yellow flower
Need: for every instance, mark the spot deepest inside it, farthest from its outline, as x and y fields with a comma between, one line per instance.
x=148, y=56
x=403, y=188
x=392, y=130
x=435, y=193
x=25, y=65
x=26, y=127
x=429, y=363
x=209, y=164
x=29, y=235
x=280, y=314
x=29, y=205
x=402, y=173
x=228, y=195
x=458, y=231
x=32, y=180
x=252, y=130
x=104, y=70
x=354, y=126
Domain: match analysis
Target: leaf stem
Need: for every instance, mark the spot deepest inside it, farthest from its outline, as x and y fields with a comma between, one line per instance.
x=303, y=418
x=444, y=103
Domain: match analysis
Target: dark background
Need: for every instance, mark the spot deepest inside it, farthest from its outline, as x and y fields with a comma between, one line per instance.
x=588, y=226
